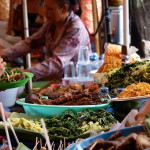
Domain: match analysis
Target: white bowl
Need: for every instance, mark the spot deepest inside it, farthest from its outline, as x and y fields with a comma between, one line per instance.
x=8, y=97
x=96, y=75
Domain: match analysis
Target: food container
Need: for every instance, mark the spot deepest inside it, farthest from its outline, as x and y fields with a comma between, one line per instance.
x=85, y=143
x=8, y=97
x=122, y=106
x=51, y=110
x=21, y=82
x=96, y=75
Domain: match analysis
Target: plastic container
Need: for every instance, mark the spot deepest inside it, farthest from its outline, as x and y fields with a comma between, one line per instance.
x=8, y=97
x=96, y=75
x=51, y=110
x=122, y=108
x=85, y=143
x=21, y=82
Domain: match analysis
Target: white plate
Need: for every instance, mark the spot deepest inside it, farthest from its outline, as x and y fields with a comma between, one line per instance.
x=130, y=98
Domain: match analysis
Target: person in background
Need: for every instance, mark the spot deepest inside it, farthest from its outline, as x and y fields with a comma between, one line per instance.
x=61, y=36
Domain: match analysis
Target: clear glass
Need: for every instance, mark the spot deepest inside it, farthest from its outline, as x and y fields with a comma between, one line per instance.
x=69, y=73
x=69, y=70
x=83, y=64
x=83, y=54
x=83, y=69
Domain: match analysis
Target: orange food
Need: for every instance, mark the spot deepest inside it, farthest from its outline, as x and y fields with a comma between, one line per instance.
x=112, y=58
x=139, y=89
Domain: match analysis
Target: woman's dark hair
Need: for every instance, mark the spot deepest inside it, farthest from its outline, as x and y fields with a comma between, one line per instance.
x=70, y=3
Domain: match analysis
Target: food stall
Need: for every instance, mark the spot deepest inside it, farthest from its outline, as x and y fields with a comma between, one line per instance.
x=90, y=109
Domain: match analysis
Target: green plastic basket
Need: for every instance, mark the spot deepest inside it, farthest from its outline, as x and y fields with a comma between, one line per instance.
x=18, y=83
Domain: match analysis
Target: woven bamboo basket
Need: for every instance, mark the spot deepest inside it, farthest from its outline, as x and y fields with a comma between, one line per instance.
x=115, y=2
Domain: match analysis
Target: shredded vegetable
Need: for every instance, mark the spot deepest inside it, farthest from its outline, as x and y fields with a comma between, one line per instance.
x=127, y=75
x=27, y=124
x=12, y=75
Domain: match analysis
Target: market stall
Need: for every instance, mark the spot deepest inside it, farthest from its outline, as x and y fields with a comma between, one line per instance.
x=95, y=105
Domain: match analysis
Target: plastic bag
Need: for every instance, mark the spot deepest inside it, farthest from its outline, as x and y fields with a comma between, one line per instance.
x=112, y=58
x=133, y=56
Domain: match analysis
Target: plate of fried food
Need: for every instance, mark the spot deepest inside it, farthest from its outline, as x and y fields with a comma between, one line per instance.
x=76, y=97
x=128, y=138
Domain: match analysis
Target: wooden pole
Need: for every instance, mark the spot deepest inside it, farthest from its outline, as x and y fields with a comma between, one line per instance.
x=126, y=23
x=95, y=23
x=10, y=21
x=26, y=34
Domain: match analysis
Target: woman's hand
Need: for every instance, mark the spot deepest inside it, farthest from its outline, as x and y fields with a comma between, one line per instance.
x=140, y=117
x=2, y=66
x=145, y=110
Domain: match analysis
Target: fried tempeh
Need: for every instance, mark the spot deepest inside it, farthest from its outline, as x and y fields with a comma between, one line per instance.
x=103, y=144
x=128, y=142
x=114, y=136
x=142, y=142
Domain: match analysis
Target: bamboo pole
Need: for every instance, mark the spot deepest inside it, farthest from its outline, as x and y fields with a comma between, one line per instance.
x=95, y=23
x=126, y=23
x=26, y=34
x=10, y=21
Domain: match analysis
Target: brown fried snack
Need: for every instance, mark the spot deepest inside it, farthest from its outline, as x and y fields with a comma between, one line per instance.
x=114, y=136
x=128, y=143
x=142, y=142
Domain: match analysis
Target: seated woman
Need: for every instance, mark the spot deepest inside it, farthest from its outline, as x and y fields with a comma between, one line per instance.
x=61, y=37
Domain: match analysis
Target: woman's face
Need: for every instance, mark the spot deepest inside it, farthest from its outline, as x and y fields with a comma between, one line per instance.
x=53, y=12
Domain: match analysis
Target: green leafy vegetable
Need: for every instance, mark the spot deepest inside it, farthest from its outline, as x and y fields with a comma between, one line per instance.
x=127, y=75
x=71, y=124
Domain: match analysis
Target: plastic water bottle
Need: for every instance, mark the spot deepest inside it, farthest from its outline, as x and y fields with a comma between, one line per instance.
x=95, y=62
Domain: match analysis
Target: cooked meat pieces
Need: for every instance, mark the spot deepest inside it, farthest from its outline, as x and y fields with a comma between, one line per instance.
x=67, y=98
x=118, y=142
x=142, y=142
x=127, y=143
x=98, y=145
x=114, y=136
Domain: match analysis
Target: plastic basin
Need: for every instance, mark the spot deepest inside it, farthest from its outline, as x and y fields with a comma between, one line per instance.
x=51, y=110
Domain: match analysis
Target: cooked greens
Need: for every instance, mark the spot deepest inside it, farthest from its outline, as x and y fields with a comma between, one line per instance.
x=128, y=74
x=71, y=124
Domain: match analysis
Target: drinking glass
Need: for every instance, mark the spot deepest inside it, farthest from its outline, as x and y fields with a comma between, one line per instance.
x=69, y=70
x=83, y=64
x=69, y=73
x=83, y=54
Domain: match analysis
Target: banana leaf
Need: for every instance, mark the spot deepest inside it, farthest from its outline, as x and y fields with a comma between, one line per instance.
x=28, y=135
x=21, y=146
x=18, y=83
x=23, y=134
